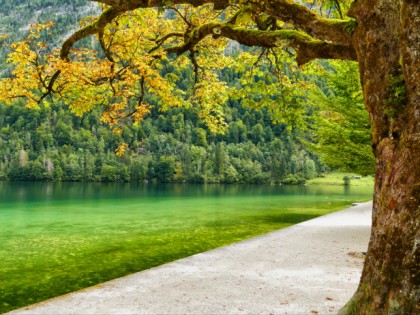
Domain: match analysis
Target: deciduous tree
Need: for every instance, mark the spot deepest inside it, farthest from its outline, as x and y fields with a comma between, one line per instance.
x=137, y=42
x=341, y=129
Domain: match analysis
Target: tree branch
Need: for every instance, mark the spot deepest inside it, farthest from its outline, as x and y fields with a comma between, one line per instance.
x=161, y=41
x=184, y=18
x=333, y=38
x=118, y=7
x=330, y=30
x=306, y=47
x=104, y=19
x=334, y=30
x=135, y=4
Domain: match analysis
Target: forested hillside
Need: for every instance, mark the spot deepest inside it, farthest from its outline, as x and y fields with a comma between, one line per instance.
x=16, y=17
x=53, y=144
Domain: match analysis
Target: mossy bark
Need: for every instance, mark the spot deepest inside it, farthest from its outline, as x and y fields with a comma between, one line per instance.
x=387, y=43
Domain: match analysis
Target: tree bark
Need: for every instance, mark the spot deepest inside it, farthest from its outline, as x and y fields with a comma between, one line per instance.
x=387, y=44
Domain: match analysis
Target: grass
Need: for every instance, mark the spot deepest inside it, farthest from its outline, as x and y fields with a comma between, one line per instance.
x=337, y=179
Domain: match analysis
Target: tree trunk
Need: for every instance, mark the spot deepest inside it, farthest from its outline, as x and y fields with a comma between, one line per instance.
x=387, y=43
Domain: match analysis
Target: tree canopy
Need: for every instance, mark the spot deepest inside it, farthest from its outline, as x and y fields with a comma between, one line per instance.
x=138, y=39
x=341, y=127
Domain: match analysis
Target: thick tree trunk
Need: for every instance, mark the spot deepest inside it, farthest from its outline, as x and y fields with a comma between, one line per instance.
x=387, y=43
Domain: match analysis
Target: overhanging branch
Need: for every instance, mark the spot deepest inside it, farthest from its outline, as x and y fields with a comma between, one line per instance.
x=322, y=38
x=333, y=30
x=94, y=28
x=135, y=4
x=306, y=47
x=336, y=32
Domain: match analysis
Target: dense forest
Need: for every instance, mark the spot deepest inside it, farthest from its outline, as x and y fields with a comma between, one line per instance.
x=16, y=17
x=172, y=146
x=53, y=144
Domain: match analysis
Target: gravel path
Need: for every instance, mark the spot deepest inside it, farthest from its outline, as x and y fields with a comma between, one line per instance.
x=307, y=268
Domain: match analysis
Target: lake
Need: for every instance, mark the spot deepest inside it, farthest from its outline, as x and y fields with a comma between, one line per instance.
x=60, y=237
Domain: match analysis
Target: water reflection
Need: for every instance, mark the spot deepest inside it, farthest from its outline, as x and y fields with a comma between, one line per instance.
x=47, y=191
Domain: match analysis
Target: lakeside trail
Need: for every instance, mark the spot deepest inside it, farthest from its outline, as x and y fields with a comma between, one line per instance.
x=307, y=268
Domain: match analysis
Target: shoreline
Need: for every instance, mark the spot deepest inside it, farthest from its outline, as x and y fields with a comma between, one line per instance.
x=302, y=269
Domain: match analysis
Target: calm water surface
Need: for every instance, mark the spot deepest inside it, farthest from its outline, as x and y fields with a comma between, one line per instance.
x=60, y=237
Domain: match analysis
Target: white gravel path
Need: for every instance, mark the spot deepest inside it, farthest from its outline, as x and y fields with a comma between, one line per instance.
x=302, y=269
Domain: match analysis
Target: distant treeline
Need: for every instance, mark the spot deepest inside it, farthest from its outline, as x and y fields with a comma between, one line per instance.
x=54, y=145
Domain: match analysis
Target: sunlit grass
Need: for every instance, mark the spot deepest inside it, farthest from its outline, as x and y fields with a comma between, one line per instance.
x=337, y=179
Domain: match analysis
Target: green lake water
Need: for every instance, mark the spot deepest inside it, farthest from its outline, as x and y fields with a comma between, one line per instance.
x=60, y=237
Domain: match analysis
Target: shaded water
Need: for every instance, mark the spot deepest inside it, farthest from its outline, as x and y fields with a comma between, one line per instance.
x=60, y=237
